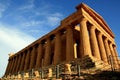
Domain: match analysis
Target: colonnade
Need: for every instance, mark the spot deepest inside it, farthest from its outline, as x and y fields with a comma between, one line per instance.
x=59, y=46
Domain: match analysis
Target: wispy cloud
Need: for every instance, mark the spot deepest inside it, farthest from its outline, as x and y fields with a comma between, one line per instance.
x=28, y=5
x=28, y=22
x=15, y=38
x=33, y=18
x=49, y=20
x=3, y=8
x=11, y=40
x=54, y=19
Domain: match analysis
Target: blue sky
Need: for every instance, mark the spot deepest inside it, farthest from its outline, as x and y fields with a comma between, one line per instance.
x=24, y=21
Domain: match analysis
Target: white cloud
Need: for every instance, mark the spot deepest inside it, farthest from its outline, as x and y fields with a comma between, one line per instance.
x=50, y=19
x=28, y=5
x=32, y=23
x=2, y=8
x=11, y=40
x=54, y=19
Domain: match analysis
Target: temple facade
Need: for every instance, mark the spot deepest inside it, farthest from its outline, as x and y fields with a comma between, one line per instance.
x=83, y=33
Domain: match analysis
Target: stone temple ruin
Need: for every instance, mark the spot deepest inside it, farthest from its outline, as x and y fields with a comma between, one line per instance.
x=82, y=41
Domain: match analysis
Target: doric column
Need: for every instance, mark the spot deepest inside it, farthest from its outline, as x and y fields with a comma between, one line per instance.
x=10, y=61
x=15, y=64
x=69, y=44
x=13, y=61
x=27, y=60
x=47, y=56
x=10, y=64
x=8, y=67
x=32, y=59
x=84, y=38
x=22, y=62
x=39, y=56
x=114, y=56
x=19, y=63
x=94, y=43
x=58, y=49
x=107, y=48
x=101, y=47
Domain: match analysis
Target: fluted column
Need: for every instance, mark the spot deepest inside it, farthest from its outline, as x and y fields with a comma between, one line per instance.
x=14, y=65
x=107, y=48
x=58, y=49
x=39, y=56
x=101, y=47
x=27, y=60
x=47, y=57
x=84, y=38
x=32, y=59
x=8, y=67
x=69, y=44
x=13, y=61
x=19, y=63
x=114, y=56
x=94, y=43
x=22, y=62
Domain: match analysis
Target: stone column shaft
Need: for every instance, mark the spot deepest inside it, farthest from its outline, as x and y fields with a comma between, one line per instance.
x=84, y=38
x=32, y=59
x=13, y=61
x=14, y=65
x=101, y=47
x=19, y=63
x=39, y=56
x=108, y=53
x=7, y=69
x=22, y=62
x=27, y=60
x=47, y=57
x=69, y=44
x=58, y=49
x=94, y=44
x=114, y=56
x=10, y=65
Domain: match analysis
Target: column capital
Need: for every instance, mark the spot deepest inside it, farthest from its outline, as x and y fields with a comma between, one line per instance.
x=111, y=44
x=114, y=45
x=99, y=33
x=92, y=27
x=105, y=38
x=58, y=32
x=83, y=19
x=69, y=27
